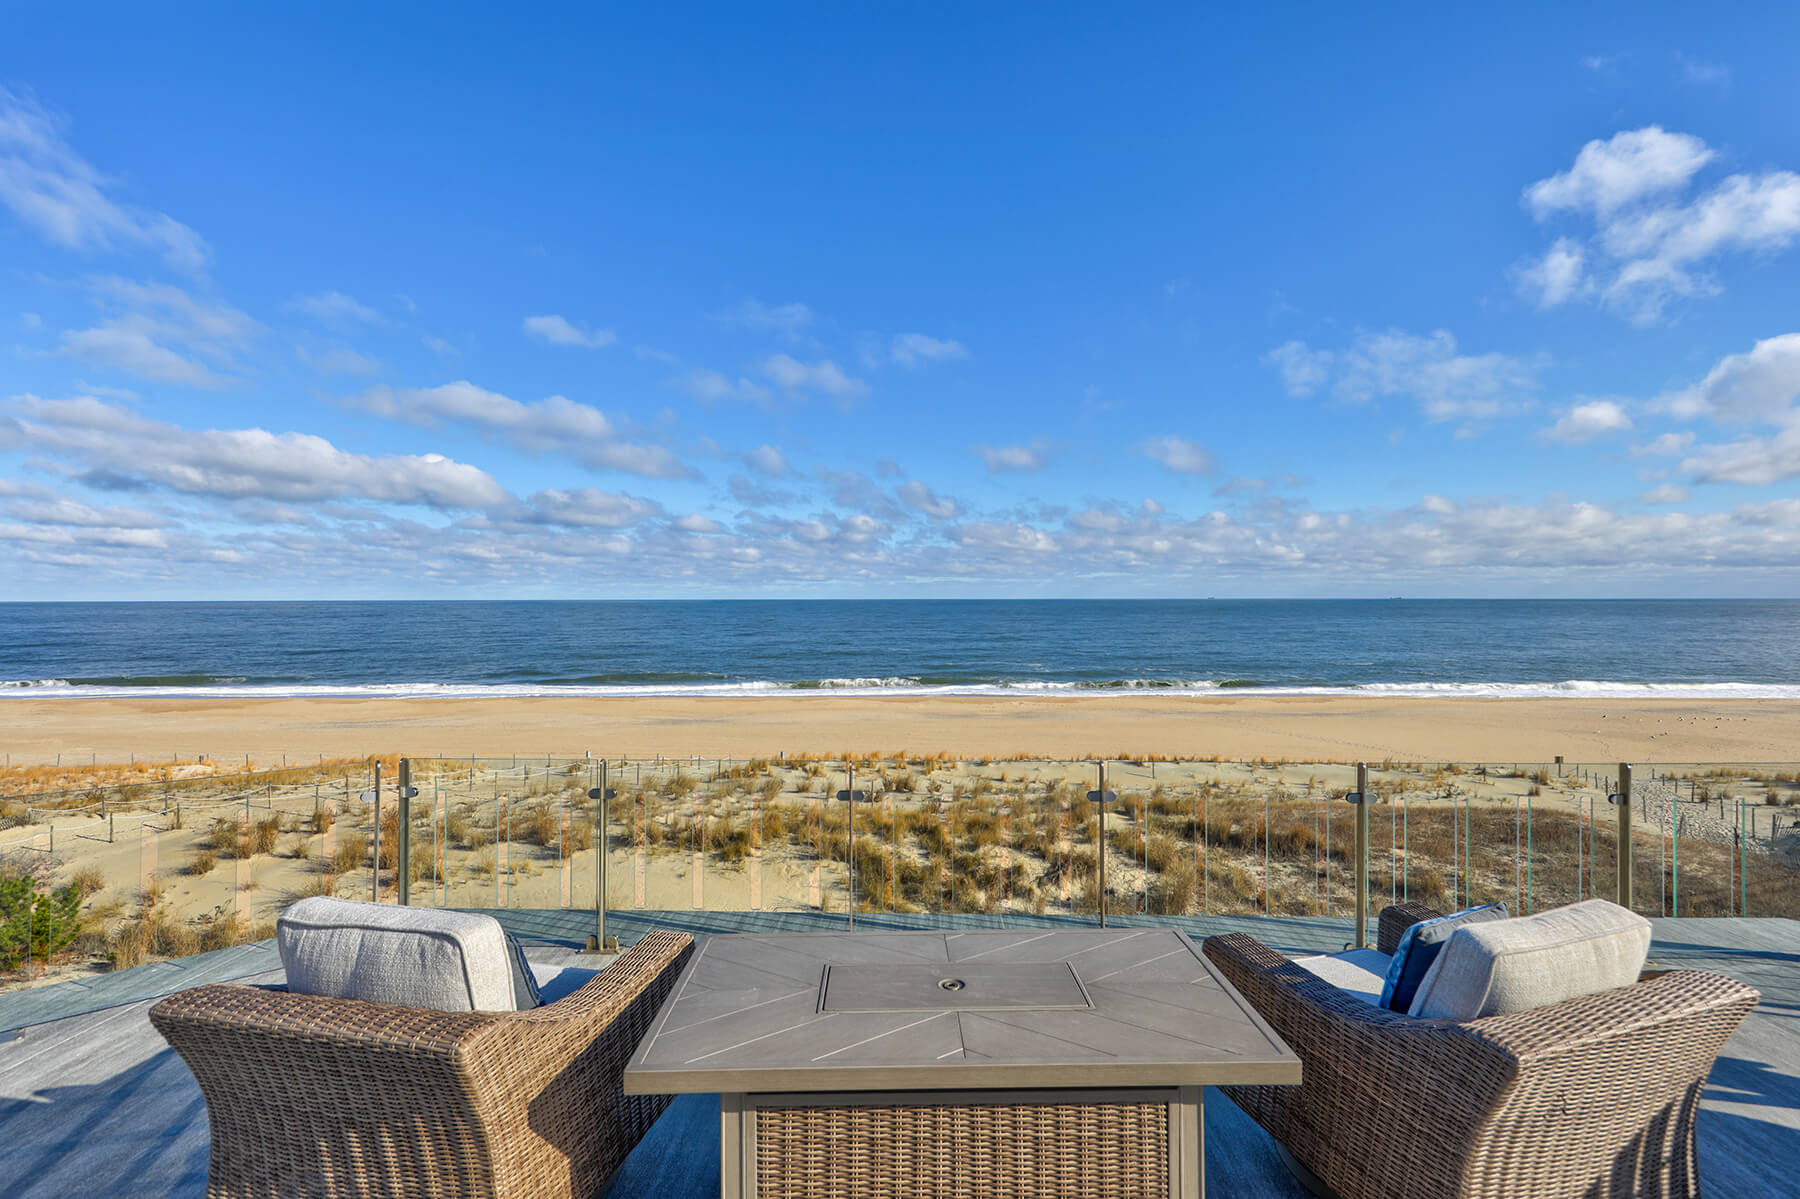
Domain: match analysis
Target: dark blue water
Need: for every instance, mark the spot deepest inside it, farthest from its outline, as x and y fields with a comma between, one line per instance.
x=1498, y=647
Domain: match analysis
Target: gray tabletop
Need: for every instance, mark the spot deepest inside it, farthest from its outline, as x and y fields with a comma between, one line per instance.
x=942, y=1010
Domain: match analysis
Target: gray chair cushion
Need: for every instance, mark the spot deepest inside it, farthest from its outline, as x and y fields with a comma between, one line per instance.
x=1530, y=961
x=414, y=957
x=1358, y=972
x=525, y=984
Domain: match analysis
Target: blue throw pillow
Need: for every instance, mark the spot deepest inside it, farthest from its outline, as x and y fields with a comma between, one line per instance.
x=1418, y=949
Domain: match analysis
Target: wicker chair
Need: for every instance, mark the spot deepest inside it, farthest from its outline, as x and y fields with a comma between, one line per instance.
x=313, y=1096
x=1590, y=1097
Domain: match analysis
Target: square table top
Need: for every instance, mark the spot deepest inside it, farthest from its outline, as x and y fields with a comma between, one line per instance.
x=953, y=1010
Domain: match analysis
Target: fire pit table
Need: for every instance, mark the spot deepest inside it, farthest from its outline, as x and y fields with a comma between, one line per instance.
x=1030, y=1063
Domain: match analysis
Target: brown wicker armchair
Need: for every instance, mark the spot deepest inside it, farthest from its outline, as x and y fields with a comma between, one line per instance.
x=312, y=1096
x=1590, y=1097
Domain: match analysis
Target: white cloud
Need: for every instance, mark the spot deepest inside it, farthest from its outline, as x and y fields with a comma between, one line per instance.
x=1182, y=457
x=709, y=386
x=1760, y=387
x=768, y=460
x=55, y=191
x=1668, y=493
x=1588, y=420
x=558, y=331
x=241, y=463
x=1303, y=370
x=1763, y=384
x=1649, y=246
x=1104, y=520
x=1004, y=535
x=147, y=327
x=1749, y=462
x=98, y=538
x=590, y=507
x=916, y=349
x=753, y=495
x=127, y=344
x=1703, y=74
x=1427, y=368
x=853, y=489
x=336, y=309
x=1663, y=445
x=1626, y=167
x=789, y=318
x=64, y=511
x=555, y=540
x=1559, y=276
x=338, y=360
x=920, y=498
x=545, y=424
x=634, y=458
x=823, y=376
x=1011, y=458
x=556, y=425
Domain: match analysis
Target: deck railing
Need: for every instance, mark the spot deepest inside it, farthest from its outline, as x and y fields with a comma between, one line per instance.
x=182, y=864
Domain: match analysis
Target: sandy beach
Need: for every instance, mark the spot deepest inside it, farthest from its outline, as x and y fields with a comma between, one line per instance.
x=1324, y=729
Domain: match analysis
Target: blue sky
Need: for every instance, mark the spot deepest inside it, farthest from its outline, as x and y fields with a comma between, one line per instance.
x=1029, y=300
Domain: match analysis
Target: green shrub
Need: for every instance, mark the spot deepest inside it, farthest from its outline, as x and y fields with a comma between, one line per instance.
x=35, y=924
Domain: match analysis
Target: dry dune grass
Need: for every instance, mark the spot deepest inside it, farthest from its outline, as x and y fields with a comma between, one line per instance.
x=1011, y=834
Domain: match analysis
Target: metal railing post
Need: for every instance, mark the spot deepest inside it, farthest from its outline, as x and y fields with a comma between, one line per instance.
x=1743, y=864
x=1625, y=835
x=601, y=795
x=1100, y=797
x=849, y=796
x=404, y=842
x=1675, y=861
x=375, y=865
x=1362, y=854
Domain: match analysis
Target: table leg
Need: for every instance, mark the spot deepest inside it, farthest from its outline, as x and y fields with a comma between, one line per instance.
x=734, y=1182
x=1187, y=1143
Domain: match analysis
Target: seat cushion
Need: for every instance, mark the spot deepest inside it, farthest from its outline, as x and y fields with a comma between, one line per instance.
x=524, y=982
x=1419, y=947
x=1531, y=961
x=382, y=953
x=1358, y=972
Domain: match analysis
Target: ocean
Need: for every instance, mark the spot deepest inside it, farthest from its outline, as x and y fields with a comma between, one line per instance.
x=1525, y=648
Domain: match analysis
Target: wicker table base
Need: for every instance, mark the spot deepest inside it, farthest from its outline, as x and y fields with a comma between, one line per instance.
x=1140, y=1143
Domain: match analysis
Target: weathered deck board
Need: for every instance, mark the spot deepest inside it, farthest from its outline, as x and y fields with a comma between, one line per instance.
x=96, y=1103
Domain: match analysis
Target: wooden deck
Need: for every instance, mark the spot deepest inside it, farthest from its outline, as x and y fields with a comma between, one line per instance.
x=94, y=1103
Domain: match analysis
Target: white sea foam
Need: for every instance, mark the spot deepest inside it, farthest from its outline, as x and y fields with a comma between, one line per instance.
x=841, y=687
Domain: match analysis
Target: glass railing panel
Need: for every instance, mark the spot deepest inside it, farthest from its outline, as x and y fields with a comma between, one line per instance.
x=726, y=801
x=201, y=857
x=666, y=856
x=624, y=834
x=1731, y=835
